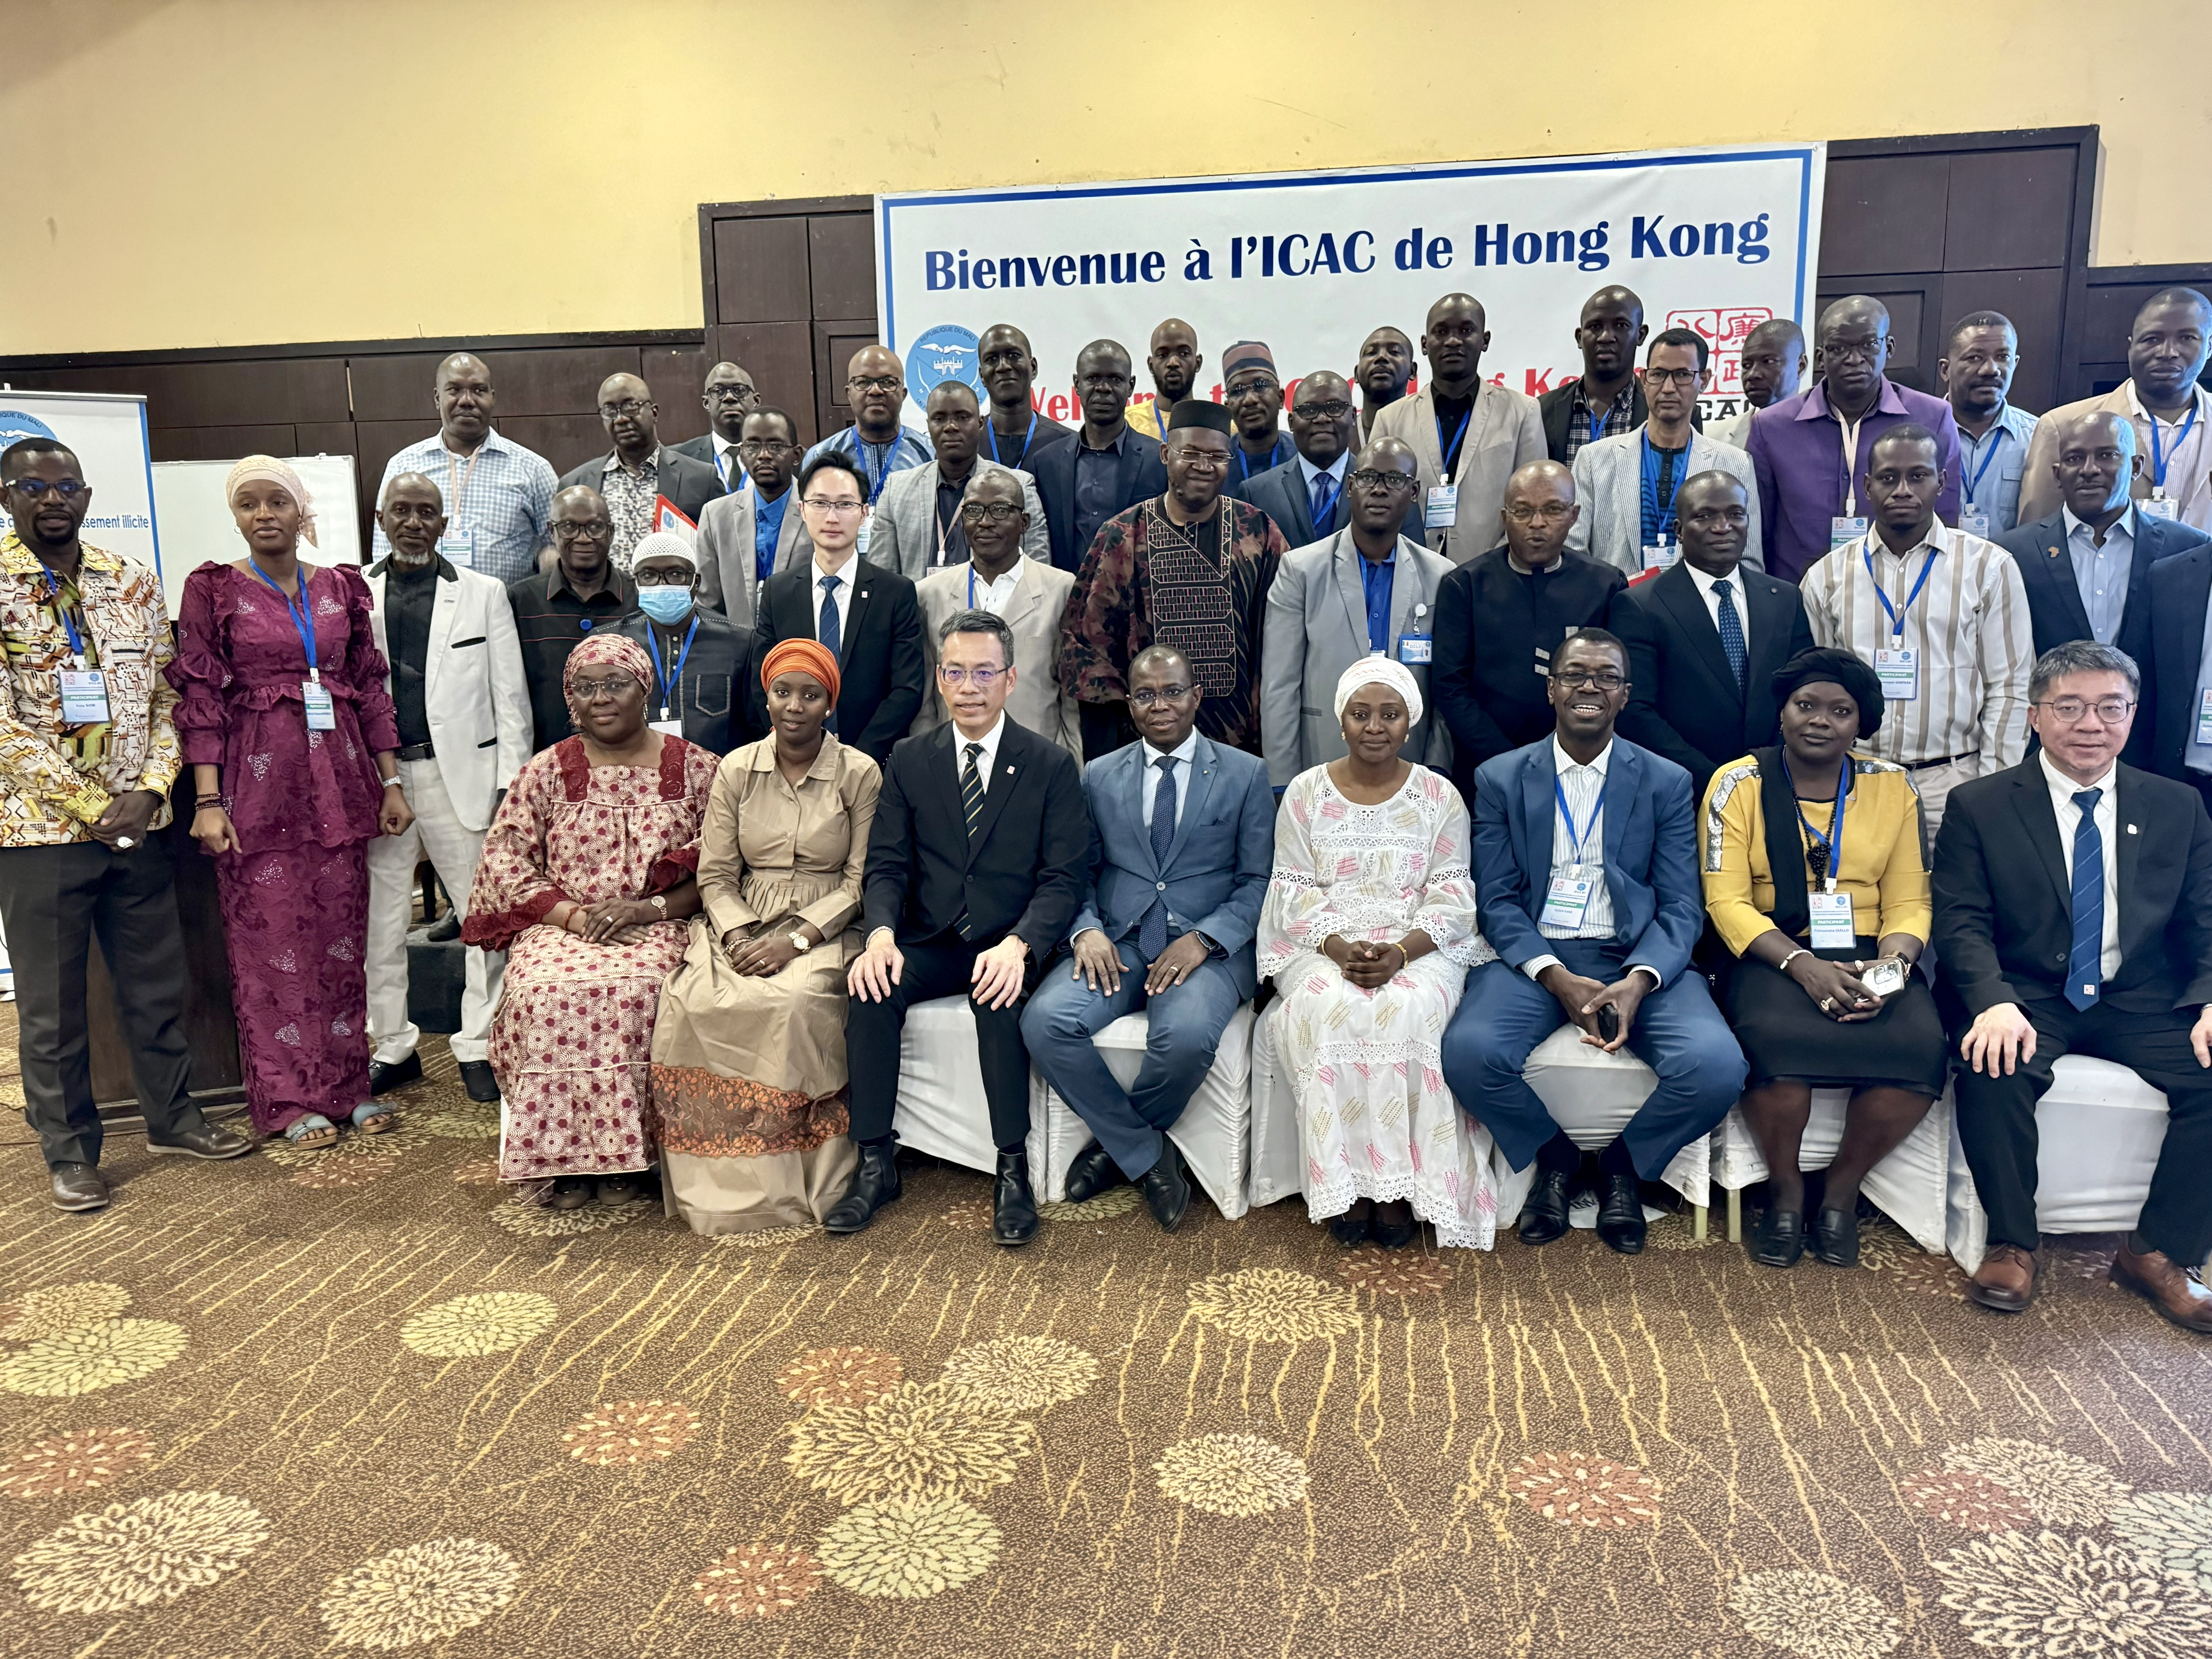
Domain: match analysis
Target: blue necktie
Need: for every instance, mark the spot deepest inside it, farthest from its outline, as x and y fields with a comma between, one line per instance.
x=1324, y=503
x=1153, y=931
x=1732, y=644
x=829, y=631
x=2085, y=966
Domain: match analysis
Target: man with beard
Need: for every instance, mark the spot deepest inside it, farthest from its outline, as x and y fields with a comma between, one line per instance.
x=1385, y=370
x=1607, y=401
x=1173, y=361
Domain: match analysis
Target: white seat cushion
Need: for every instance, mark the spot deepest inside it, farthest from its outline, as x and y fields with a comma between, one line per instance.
x=1911, y=1186
x=941, y=1108
x=1591, y=1094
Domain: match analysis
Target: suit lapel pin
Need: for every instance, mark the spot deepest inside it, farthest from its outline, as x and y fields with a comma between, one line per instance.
x=2131, y=828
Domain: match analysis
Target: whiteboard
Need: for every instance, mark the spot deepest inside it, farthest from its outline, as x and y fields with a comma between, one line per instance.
x=196, y=526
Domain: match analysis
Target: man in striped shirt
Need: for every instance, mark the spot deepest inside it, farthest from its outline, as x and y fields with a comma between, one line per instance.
x=1940, y=615
x=498, y=496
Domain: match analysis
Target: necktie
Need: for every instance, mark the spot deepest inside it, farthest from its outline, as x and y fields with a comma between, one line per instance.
x=2085, y=967
x=1324, y=504
x=971, y=808
x=829, y=632
x=1153, y=931
x=1732, y=644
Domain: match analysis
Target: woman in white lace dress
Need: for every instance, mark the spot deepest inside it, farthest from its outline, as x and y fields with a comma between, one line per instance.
x=1368, y=932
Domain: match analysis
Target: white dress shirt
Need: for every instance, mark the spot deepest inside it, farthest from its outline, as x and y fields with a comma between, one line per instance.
x=1582, y=784
x=2101, y=573
x=2187, y=460
x=1713, y=601
x=1339, y=470
x=992, y=596
x=725, y=460
x=846, y=574
x=986, y=762
x=2062, y=790
x=1185, y=752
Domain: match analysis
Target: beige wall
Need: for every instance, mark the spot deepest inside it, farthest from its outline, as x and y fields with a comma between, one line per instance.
x=193, y=173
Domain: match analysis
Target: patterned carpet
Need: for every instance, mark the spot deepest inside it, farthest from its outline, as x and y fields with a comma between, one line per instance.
x=362, y=1403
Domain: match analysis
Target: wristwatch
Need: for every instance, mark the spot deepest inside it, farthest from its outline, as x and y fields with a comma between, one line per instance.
x=660, y=901
x=799, y=942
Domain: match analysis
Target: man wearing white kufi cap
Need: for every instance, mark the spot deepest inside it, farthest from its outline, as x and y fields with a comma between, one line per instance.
x=699, y=655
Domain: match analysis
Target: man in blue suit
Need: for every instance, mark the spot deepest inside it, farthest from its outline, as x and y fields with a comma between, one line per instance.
x=1183, y=841
x=1586, y=882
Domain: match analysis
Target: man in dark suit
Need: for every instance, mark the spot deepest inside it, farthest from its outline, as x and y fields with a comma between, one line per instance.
x=1108, y=469
x=977, y=863
x=1306, y=495
x=1500, y=615
x=2177, y=708
x=640, y=467
x=865, y=614
x=1586, y=882
x=728, y=396
x=1184, y=842
x=2074, y=916
x=1704, y=637
x=2086, y=566
x=1608, y=398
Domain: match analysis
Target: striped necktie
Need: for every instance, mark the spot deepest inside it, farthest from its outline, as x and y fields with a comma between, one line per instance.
x=2085, y=964
x=971, y=788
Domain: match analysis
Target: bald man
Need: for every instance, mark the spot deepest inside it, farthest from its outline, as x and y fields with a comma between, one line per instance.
x=1385, y=370
x=1173, y=361
x=875, y=391
x=498, y=496
x=1772, y=368
x=2166, y=349
x=1306, y=495
x=1468, y=435
x=728, y=396
x=641, y=470
x=1607, y=399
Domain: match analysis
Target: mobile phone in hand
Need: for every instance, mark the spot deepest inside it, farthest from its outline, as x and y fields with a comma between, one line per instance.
x=1608, y=1022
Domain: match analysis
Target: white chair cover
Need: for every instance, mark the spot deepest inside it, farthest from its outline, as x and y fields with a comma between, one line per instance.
x=1911, y=1186
x=1591, y=1094
x=940, y=1097
x=1279, y=1169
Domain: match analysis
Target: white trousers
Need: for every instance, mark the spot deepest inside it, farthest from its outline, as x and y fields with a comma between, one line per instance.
x=1934, y=785
x=452, y=848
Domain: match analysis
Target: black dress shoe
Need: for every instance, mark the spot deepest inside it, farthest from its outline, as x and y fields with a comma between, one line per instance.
x=1395, y=1226
x=207, y=1141
x=1836, y=1237
x=79, y=1186
x=1093, y=1171
x=1013, y=1209
x=1544, y=1217
x=1778, y=1238
x=398, y=1074
x=1620, y=1215
x=1165, y=1187
x=446, y=929
x=1351, y=1228
x=875, y=1183
x=477, y=1078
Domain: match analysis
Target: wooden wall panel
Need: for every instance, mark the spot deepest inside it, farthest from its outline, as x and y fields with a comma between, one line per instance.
x=760, y=271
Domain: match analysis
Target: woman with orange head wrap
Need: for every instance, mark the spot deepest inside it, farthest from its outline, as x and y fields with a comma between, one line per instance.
x=749, y=1045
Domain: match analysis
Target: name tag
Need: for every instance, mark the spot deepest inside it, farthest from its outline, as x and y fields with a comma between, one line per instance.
x=860, y=547
x=667, y=728
x=1832, y=922
x=1441, y=511
x=1415, y=647
x=84, y=697
x=1899, y=671
x=321, y=716
x=1662, y=554
x=1568, y=897
x=2160, y=507
x=2204, y=717
x=458, y=547
x=1975, y=524
x=1842, y=532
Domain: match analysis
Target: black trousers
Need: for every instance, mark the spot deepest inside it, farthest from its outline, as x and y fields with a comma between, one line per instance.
x=52, y=901
x=1996, y=1121
x=938, y=967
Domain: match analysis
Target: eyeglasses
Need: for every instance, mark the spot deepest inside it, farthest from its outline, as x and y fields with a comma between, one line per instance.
x=615, y=685
x=730, y=394
x=1605, y=679
x=843, y=504
x=987, y=512
x=569, y=530
x=1550, y=512
x=981, y=679
x=1332, y=411
x=763, y=445
x=1368, y=477
x=1206, y=459
x=1144, y=697
x=664, y=578
x=2110, y=710
x=627, y=406
x=38, y=488
x=874, y=383
x=1671, y=376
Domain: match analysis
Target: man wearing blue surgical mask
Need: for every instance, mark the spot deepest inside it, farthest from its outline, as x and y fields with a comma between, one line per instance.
x=698, y=655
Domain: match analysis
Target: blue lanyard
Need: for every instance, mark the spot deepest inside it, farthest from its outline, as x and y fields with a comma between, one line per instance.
x=1658, y=514
x=1896, y=616
x=1597, y=417
x=1245, y=462
x=1831, y=844
x=1458, y=438
x=2159, y=459
x=1026, y=438
x=299, y=615
x=1579, y=839
x=75, y=640
x=1988, y=448
x=671, y=685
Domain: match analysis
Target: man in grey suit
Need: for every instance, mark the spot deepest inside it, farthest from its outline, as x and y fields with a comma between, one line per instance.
x=756, y=530
x=1469, y=436
x=1367, y=590
x=1182, y=842
x=916, y=526
x=1027, y=594
x=1627, y=484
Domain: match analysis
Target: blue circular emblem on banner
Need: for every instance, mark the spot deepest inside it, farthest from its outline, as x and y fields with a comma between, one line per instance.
x=945, y=353
x=15, y=425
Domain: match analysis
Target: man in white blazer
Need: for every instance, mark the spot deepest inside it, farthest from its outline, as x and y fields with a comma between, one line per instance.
x=756, y=530
x=463, y=705
x=1028, y=594
x=1468, y=435
x=916, y=526
x=1622, y=523
x=1366, y=590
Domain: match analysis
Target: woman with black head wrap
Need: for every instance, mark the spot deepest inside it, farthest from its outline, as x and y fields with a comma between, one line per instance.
x=1816, y=878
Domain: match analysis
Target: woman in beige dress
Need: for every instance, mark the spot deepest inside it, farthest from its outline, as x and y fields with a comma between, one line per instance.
x=749, y=1045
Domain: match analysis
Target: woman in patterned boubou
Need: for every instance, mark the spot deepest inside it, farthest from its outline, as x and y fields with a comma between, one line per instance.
x=1368, y=932
x=588, y=879
x=283, y=715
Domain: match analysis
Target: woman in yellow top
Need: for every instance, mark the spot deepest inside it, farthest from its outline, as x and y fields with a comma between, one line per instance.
x=1825, y=903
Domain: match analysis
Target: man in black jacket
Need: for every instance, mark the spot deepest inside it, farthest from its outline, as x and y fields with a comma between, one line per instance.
x=1109, y=469
x=1607, y=399
x=2074, y=914
x=2177, y=702
x=867, y=615
x=978, y=861
x=1704, y=637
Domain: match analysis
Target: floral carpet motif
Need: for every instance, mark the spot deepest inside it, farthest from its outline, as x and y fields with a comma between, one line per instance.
x=361, y=1402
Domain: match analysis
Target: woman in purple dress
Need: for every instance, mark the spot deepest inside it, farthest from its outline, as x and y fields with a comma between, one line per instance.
x=284, y=717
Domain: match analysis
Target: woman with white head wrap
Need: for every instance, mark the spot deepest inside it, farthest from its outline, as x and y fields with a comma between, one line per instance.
x=284, y=715
x=1368, y=932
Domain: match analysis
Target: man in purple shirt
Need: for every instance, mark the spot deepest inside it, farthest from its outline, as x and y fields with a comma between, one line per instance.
x=1807, y=498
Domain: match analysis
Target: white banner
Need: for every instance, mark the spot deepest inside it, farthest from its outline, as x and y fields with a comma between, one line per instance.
x=1715, y=240
x=107, y=431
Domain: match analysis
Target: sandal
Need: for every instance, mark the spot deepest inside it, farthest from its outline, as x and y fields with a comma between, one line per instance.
x=570, y=1193
x=372, y=1118
x=312, y=1132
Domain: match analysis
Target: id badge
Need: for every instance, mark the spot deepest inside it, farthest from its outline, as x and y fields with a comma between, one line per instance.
x=2160, y=507
x=321, y=715
x=1441, y=511
x=2204, y=717
x=1976, y=524
x=1661, y=556
x=1842, y=532
x=1831, y=922
x=667, y=728
x=1564, y=905
x=1898, y=671
x=1418, y=648
x=458, y=547
x=860, y=547
x=84, y=697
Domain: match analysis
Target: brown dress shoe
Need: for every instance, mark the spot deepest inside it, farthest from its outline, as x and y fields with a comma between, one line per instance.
x=2159, y=1280
x=2006, y=1280
x=209, y=1141
x=80, y=1187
